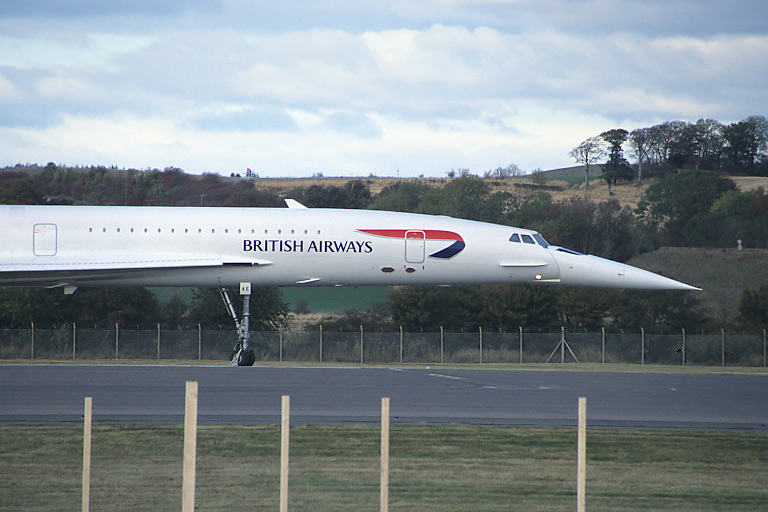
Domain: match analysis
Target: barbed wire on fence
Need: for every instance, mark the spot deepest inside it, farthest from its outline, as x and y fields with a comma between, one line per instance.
x=388, y=347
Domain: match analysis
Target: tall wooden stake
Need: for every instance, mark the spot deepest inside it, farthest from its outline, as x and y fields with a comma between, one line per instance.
x=190, y=448
x=87, y=454
x=581, y=474
x=284, y=452
x=384, y=492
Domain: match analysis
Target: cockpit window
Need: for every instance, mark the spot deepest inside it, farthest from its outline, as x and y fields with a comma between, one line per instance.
x=541, y=240
x=528, y=239
x=515, y=238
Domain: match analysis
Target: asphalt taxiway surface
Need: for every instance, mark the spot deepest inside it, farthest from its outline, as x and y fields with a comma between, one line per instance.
x=149, y=394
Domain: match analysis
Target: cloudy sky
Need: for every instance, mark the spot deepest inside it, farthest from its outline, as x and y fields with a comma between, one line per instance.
x=293, y=88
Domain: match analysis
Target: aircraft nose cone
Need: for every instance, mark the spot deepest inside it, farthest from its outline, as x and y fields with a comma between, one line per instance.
x=592, y=271
x=636, y=278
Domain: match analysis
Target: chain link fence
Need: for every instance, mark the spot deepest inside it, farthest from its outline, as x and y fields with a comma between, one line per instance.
x=387, y=347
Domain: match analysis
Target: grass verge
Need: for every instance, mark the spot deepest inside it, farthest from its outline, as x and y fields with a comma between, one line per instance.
x=433, y=468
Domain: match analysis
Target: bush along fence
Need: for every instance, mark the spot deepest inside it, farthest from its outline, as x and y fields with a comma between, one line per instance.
x=388, y=347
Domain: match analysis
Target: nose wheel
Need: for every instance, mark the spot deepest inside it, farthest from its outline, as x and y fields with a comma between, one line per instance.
x=242, y=357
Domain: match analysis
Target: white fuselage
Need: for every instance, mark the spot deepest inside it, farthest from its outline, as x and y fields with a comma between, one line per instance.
x=75, y=246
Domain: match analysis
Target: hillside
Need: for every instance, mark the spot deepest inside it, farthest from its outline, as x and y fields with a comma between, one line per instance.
x=559, y=183
x=722, y=273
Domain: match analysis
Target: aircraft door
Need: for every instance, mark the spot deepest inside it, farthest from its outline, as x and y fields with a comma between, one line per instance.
x=415, y=246
x=44, y=241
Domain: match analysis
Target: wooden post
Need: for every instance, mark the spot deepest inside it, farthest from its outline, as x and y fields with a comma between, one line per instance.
x=401, y=344
x=190, y=448
x=481, y=345
x=33, y=340
x=384, y=491
x=199, y=342
x=117, y=341
x=87, y=454
x=281, y=346
x=642, y=346
x=581, y=473
x=158, y=341
x=361, y=344
x=765, y=350
x=284, y=452
x=521, y=344
x=74, y=341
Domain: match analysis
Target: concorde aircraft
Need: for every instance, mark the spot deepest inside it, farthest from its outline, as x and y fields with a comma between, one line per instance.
x=88, y=246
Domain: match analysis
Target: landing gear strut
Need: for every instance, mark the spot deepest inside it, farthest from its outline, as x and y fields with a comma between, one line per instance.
x=242, y=353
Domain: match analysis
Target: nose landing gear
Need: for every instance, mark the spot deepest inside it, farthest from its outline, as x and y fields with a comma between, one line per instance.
x=242, y=353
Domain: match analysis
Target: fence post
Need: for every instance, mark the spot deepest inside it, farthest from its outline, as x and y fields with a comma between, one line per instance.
x=33, y=340
x=722, y=334
x=281, y=346
x=361, y=344
x=683, y=350
x=562, y=345
x=117, y=341
x=481, y=345
x=74, y=341
x=199, y=342
x=521, y=344
x=321, y=343
x=384, y=480
x=581, y=456
x=158, y=341
x=442, y=344
x=285, y=445
x=401, y=344
x=603, y=359
x=642, y=345
x=765, y=352
x=87, y=427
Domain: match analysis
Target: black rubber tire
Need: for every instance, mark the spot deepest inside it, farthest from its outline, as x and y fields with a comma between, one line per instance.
x=245, y=358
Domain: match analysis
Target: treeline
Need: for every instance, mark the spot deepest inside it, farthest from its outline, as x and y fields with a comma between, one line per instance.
x=692, y=208
x=736, y=148
x=112, y=187
x=102, y=308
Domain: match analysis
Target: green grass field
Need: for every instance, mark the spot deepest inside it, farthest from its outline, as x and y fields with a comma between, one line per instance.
x=433, y=468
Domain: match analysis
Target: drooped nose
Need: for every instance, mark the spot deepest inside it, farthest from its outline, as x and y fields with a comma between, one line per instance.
x=592, y=271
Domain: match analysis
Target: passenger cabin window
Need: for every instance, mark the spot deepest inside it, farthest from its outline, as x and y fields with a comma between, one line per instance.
x=528, y=239
x=515, y=238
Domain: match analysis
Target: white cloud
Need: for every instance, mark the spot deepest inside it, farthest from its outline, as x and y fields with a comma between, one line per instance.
x=8, y=91
x=62, y=88
x=297, y=89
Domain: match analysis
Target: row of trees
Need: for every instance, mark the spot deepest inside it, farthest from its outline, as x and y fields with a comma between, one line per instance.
x=736, y=148
x=102, y=308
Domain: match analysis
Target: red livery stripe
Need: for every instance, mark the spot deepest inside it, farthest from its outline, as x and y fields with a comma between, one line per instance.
x=430, y=234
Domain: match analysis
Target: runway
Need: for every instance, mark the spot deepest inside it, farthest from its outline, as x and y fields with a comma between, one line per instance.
x=151, y=394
